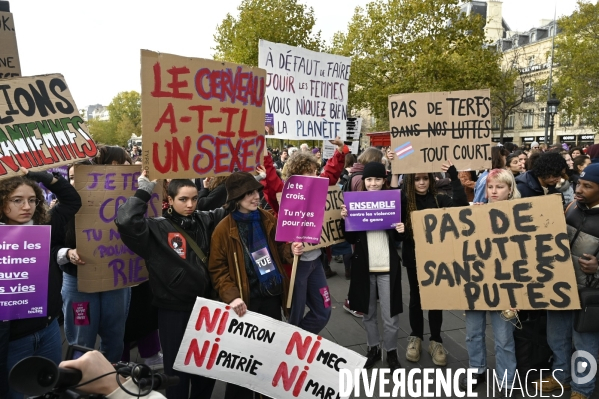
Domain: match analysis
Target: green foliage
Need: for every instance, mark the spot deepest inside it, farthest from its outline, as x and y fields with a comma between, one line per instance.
x=576, y=51
x=280, y=21
x=125, y=119
x=103, y=132
x=405, y=46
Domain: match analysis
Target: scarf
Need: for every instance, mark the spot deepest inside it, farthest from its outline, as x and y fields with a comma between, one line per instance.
x=271, y=281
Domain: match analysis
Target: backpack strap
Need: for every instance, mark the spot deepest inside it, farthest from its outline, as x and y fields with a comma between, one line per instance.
x=194, y=246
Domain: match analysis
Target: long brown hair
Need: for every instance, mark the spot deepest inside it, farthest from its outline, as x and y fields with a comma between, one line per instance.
x=409, y=186
x=8, y=186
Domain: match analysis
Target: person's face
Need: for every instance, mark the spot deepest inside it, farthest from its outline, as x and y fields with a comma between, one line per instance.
x=250, y=202
x=185, y=201
x=317, y=155
x=576, y=153
x=497, y=191
x=522, y=160
x=587, y=193
x=72, y=175
x=515, y=165
x=421, y=183
x=569, y=161
x=22, y=211
x=550, y=180
x=134, y=148
x=586, y=163
x=284, y=155
x=374, y=183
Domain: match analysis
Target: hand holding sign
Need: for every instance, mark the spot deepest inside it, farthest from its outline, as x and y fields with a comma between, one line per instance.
x=588, y=263
x=74, y=258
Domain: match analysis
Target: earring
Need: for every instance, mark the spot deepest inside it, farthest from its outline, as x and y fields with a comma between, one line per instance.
x=170, y=210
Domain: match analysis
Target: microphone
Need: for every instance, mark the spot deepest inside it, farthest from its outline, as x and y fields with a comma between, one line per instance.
x=37, y=375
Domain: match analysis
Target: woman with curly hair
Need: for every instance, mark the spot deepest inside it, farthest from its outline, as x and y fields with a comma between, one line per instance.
x=22, y=203
x=420, y=193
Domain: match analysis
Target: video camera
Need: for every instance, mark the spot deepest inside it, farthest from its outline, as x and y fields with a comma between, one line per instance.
x=40, y=377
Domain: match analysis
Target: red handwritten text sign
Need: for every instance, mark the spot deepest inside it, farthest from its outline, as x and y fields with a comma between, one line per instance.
x=200, y=117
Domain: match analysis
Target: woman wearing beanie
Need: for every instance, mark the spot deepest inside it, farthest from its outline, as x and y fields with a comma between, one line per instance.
x=419, y=193
x=375, y=268
x=246, y=264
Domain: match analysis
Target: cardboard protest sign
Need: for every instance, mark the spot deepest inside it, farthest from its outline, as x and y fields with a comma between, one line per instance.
x=40, y=126
x=258, y=352
x=109, y=264
x=200, y=117
x=24, y=260
x=428, y=129
x=372, y=210
x=509, y=254
x=10, y=65
x=301, y=210
x=306, y=92
x=331, y=233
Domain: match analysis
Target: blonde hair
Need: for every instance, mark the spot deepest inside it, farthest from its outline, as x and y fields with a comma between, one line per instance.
x=506, y=177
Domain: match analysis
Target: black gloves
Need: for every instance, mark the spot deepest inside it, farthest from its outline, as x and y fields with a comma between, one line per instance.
x=41, y=177
x=453, y=173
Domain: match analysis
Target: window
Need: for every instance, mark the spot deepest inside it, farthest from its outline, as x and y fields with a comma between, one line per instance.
x=582, y=121
x=495, y=123
x=528, y=119
x=565, y=120
x=533, y=37
x=542, y=118
x=531, y=60
x=529, y=93
x=509, y=124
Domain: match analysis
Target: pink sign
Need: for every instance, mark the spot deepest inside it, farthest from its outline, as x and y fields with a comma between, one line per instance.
x=302, y=209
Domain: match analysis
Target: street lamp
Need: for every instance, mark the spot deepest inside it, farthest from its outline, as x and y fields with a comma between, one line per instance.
x=552, y=105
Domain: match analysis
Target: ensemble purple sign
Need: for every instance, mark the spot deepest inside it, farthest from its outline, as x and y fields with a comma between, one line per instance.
x=372, y=210
x=25, y=258
x=301, y=211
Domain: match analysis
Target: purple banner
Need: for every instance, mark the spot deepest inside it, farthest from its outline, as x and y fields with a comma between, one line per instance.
x=24, y=260
x=64, y=172
x=372, y=210
x=302, y=209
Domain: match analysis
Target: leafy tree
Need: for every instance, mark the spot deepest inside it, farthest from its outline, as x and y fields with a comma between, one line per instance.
x=509, y=90
x=576, y=50
x=405, y=46
x=127, y=105
x=281, y=21
x=103, y=132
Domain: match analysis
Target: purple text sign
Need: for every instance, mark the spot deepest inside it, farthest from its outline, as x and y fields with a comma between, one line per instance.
x=372, y=210
x=25, y=258
x=302, y=209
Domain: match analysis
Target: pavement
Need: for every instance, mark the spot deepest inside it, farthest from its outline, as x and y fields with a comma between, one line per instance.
x=348, y=331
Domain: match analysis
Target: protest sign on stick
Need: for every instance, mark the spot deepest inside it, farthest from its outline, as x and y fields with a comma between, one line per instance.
x=10, y=65
x=331, y=233
x=40, y=126
x=109, y=264
x=24, y=260
x=372, y=210
x=301, y=214
x=509, y=254
x=306, y=92
x=200, y=117
x=262, y=354
x=429, y=129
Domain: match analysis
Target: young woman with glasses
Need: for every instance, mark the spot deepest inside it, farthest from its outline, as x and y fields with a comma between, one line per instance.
x=22, y=203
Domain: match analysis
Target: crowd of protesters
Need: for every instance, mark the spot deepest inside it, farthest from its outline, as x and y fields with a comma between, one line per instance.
x=227, y=219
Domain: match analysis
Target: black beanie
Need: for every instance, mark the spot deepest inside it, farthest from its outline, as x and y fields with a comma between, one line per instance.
x=374, y=169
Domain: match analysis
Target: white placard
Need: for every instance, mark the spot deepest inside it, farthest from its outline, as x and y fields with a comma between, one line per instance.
x=306, y=92
x=265, y=355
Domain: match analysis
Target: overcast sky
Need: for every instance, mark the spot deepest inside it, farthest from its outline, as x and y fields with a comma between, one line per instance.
x=95, y=44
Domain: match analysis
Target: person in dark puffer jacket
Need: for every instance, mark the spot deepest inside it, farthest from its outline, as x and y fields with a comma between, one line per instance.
x=177, y=274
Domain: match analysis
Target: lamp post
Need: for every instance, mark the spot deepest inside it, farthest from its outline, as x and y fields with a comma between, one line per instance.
x=552, y=105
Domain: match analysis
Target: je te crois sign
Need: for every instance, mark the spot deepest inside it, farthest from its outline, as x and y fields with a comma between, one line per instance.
x=200, y=117
x=428, y=129
x=109, y=264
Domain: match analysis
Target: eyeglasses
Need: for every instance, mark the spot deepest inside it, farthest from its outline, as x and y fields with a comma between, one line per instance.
x=20, y=202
